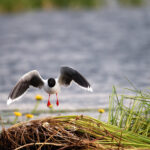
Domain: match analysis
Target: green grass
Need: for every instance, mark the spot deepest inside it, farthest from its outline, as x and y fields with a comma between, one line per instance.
x=128, y=124
x=90, y=132
x=24, y=5
x=134, y=116
x=112, y=134
x=131, y=2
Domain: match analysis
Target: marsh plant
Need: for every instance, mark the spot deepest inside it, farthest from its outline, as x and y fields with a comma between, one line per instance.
x=101, y=111
x=132, y=2
x=29, y=116
x=17, y=115
x=131, y=112
x=26, y=5
x=38, y=99
x=70, y=132
x=50, y=108
x=128, y=126
x=23, y=5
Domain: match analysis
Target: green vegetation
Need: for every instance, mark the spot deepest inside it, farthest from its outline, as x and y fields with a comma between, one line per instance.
x=128, y=127
x=70, y=132
x=131, y=2
x=134, y=116
x=23, y=5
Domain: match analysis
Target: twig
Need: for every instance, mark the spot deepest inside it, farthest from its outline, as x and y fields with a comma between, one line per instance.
x=30, y=144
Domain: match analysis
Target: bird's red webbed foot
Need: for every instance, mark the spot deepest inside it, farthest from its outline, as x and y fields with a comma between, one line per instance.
x=48, y=102
x=57, y=101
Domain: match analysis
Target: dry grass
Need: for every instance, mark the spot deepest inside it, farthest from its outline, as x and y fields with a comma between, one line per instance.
x=68, y=132
x=48, y=133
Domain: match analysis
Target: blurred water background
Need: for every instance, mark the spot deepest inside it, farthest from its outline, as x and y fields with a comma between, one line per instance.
x=105, y=44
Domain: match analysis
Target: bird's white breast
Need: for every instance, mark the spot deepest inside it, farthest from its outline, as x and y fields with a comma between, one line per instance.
x=52, y=90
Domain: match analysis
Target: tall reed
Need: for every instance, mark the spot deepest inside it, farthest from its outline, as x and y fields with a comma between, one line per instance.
x=131, y=112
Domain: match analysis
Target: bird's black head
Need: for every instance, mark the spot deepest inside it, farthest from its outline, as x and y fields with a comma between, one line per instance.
x=51, y=82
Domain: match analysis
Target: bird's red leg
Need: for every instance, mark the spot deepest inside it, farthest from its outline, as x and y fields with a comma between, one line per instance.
x=57, y=102
x=48, y=102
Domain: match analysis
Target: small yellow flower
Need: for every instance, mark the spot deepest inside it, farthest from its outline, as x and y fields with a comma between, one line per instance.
x=29, y=116
x=38, y=97
x=101, y=110
x=50, y=106
x=17, y=114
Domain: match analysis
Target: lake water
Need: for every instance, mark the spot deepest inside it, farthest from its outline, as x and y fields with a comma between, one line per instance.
x=105, y=45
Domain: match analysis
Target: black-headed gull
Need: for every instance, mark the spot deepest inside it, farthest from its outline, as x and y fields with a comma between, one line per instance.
x=51, y=85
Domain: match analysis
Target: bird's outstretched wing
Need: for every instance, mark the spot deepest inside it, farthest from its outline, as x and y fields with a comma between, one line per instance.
x=68, y=74
x=31, y=78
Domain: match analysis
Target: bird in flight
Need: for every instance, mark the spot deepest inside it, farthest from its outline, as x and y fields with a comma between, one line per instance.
x=51, y=85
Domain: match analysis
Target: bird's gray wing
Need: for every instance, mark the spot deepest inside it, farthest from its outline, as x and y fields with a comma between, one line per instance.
x=68, y=74
x=31, y=78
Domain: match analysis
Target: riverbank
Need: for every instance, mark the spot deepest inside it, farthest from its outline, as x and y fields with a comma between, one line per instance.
x=24, y=5
x=8, y=6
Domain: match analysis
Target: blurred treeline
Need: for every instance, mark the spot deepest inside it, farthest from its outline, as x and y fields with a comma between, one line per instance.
x=23, y=5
